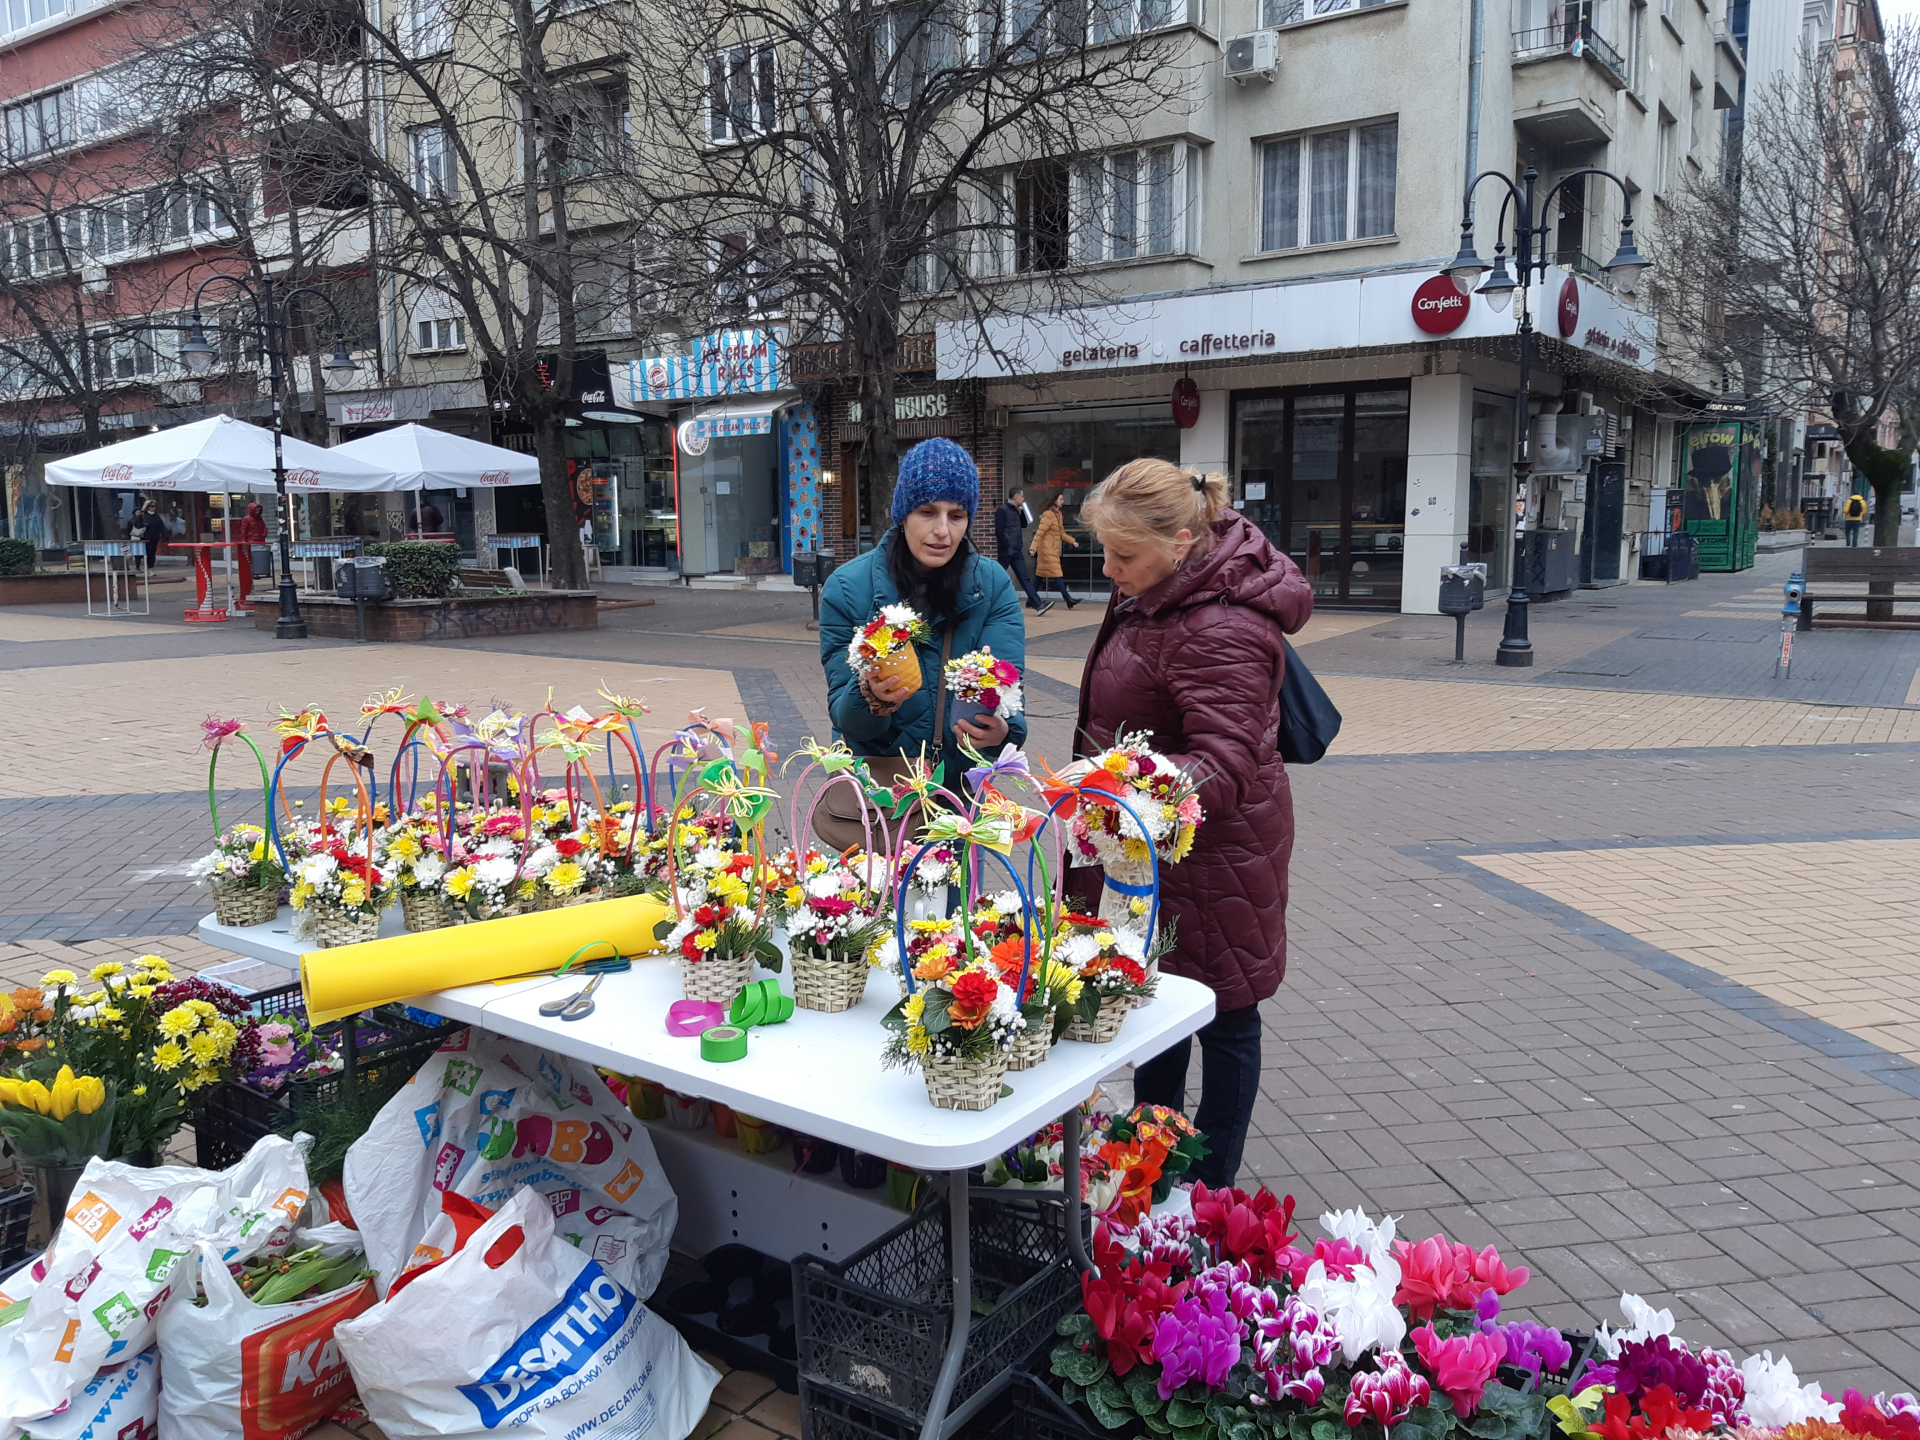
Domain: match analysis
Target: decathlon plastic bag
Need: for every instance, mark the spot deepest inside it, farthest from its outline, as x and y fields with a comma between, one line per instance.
x=124, y=1250
x=485, y=1117
x=264, y=1372
x=519, y=1332
x=121, y=1401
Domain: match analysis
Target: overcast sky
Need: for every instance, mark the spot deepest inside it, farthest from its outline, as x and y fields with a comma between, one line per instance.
x=1892, y=10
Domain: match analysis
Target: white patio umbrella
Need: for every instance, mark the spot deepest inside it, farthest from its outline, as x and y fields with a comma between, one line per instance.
x=422, y=458
x=217, y=454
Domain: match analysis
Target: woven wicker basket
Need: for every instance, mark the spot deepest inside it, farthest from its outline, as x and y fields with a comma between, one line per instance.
x=423, y=910
x=718, y=977
x=457, y=914
x=1106, y=1024
x=822, y=983
x=245, y=905
x=330, y=929
x=1031, y=1046
x=957, y=1084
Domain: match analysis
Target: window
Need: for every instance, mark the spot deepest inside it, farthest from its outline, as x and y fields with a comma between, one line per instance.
x=127, y=357
x=1663, y=153
x=602, y=297
x=744, y=275
x=1636, y=41
x=740, y=94
x=430, y=148
x=1329, y=187
x=1135, y=203
x=46, y=122
x=937, y=266
x=19, y=14
x=589, y=128
x=1288, y=12
x=1696, y=132
x=912, y=44
x=117, y=227
x=425, y=27
x=449, y=334
x=1042, y=217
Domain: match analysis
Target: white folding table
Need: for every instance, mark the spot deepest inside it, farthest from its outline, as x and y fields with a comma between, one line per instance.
x=118, y=581
x=816, y=1073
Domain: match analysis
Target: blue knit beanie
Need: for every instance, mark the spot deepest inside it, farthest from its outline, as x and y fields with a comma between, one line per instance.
x=935, y=470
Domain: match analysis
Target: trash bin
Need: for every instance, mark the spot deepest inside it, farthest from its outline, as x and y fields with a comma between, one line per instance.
x=1463, y=589
x=1683, y=556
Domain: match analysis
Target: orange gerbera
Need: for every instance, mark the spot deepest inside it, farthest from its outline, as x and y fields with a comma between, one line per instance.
x=1140, y=1172
x=935, y=965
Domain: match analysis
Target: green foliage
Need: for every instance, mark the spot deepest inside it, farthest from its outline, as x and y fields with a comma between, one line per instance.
x=16, y=557
x=419, y=569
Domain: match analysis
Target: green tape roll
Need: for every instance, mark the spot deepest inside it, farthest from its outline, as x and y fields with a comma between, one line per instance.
x=761, y=1003
x=723, y=1042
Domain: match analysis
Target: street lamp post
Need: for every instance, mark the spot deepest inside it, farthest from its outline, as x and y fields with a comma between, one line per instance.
x=1530, y=260
x=271, y=323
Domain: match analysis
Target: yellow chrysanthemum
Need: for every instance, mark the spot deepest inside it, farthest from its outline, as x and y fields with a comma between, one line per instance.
x=203, y=1008
x=460, y=884
x=106, y=968
x=354, y=892
x=200, y=1079
x=918, y=1041
x=565, y=878
x=258, y=852
x=139, y=1090
x=111, y=1013
x=1104, y=939
x=706, y=940
x=170, y=1056
x=404, y=845
x=58, y=977
x=98, y=997
x=1117, y=763
x=728, y=887
x=178, y=1021
x=204, y=1048
x=817, y=865
x=302, y=893
x=1134, y=849
x=795, y=895
x=915, y=1006
x=142, y=991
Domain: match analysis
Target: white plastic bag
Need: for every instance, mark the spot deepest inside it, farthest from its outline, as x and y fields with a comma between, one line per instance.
x=486, y=1117
x=123, y=1400
x=262, y=1372
x=521, y=1332
x=125, y=1248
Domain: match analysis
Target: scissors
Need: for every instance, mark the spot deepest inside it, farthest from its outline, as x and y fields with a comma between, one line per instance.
x=578, y=1005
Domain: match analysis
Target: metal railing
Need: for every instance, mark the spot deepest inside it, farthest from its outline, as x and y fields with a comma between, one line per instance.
x=1580, y=263
x=1574, y=36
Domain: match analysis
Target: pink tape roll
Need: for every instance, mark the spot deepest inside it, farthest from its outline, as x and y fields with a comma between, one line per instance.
x=687, y=1018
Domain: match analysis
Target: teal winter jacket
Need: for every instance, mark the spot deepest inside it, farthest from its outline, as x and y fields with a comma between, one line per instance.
x=988, y=617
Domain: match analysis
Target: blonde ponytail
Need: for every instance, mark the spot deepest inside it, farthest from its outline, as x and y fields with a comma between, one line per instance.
x=1153, y=501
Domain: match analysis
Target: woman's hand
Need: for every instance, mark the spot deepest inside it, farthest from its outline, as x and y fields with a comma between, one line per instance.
x=1069, y=539
x=984, y=731
x=885, y=694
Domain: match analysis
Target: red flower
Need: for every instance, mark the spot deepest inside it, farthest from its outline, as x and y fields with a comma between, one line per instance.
x=1133, y=972
x=1660, y=1412
x=1005, y=671
x=990, y=699
x=1861, y=1416
x=705, y=915
x=690, y=950
x=1339, y=1256
x=1435, y=1274
x=1254, y=1228
x=1462, y=1366
x=973, y=996
x=568, y=847
x=1126, y=1305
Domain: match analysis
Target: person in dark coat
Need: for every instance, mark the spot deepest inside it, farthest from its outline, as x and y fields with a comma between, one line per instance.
x=1192, y=649
x=149, y=527
x=1010, y=520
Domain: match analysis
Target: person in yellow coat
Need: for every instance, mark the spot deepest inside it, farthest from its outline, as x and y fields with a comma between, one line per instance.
x=1048, y=537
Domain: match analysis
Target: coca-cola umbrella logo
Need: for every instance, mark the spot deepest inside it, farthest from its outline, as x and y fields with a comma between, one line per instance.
x=306, y=479
x=1569, y=306
x=116, y=475
x=1438, y=306
x=493, y=477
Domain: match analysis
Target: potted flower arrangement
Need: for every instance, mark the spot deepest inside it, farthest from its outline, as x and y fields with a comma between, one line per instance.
x=719, y=929
x=984, y=686
x=1164, y=798
x=833, y=908
x=339, y=893
x=411, y=855
x=884, y=646
x=243, y=869
x=936, y=943
x=1111, y=962
x=957, y=1027
x=1047, y=1004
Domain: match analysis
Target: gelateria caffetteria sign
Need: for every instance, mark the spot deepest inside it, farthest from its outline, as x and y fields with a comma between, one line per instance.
x=1270, y=320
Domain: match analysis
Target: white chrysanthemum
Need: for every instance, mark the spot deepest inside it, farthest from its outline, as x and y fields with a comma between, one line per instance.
x=1004, y=1007
x=1077, y=950
x=710, y=858
x=1002, y=902
x=822, y=887
x=205, y=866
x=429, y=869
x=888, y=953
x=1775, y=1396
x=317, y=870
x=498, y=845
x=1132, y=944
x=541, y=861
x=493, y=873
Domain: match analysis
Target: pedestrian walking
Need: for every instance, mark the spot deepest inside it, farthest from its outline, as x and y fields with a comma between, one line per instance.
x=253, y=534
x=1192, y=649
x=1856, y=512
x=1010, y=520
x=149, y=527
x=926, y=561
x=1047, y=541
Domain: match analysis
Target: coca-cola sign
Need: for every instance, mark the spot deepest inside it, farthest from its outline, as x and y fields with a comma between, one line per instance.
x=1438, y=306
x=116, y=475
x=494, y=477
x=304, y=479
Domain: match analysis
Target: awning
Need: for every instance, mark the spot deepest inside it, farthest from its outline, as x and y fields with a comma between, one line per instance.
x=737, y=417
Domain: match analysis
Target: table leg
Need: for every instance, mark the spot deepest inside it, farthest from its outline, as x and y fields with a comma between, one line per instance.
x=960, y=1224
x=1070, y=1174
x=202, y=582
x=245, y=554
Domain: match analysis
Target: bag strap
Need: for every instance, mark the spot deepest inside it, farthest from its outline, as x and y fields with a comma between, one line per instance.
x=940, y=691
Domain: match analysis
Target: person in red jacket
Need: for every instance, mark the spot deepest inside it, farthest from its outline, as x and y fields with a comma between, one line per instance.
x=253, y=534
x=1192, y=649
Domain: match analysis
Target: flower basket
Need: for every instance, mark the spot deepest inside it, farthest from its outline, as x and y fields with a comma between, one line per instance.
x=718, y=977
x=245, y=904
x=332, y=928
x=956, y=1083
x=1105, y=1025
x=1031, y=1046
x=685, y=1112
x=1116, y=908
x=458, y=914
x=821, y=982
x=423, y=910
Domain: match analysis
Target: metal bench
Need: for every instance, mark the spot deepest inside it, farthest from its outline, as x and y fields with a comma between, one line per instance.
x=1882, y=579
x=475, y=577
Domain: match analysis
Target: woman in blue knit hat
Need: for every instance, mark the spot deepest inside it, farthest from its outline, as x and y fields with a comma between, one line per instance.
x=926, y=561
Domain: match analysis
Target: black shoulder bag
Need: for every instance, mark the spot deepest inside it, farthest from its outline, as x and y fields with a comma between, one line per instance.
x=1309, y=720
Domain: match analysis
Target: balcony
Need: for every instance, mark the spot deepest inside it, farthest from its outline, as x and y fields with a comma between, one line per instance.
x=1564, y=81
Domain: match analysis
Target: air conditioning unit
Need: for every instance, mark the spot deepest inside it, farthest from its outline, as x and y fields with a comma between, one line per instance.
x=1560, y=444
x=93, y=278
x=1253, y=57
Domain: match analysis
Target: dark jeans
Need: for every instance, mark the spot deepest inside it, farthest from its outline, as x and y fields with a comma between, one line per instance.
x=1017, y=563
x=1853, y=532
x=1061, y=581
x=1229, y=1082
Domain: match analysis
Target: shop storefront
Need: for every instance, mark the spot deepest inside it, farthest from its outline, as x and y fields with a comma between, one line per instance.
x=853, y=506
x=1721, y=502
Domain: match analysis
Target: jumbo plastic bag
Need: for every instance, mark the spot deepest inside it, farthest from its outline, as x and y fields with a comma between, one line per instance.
x=263, y=1372
x=520, y=1332
x=122, y=1400
x=485, y=1117
x=125, y=1249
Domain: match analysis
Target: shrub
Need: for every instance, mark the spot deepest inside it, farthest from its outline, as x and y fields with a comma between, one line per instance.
x=16, y=557
x=420, y=569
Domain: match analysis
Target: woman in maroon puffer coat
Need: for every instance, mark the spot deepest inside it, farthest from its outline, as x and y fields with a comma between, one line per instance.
x=1192, y=650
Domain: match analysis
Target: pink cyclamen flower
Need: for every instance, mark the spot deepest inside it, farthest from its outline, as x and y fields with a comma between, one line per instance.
x=1489, y=1273
x=1434, y=1274
x=1462, y=1366
x=1387, y=1397
x=213, y=731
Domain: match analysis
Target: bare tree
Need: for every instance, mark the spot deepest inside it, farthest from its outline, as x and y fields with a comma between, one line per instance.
x=862, y=167
x=1805, y=260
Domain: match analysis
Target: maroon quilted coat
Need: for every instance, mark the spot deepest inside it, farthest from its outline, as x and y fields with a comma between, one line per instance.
x=1197, y=660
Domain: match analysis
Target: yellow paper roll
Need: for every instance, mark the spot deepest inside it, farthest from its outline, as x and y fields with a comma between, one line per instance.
x=352, y=978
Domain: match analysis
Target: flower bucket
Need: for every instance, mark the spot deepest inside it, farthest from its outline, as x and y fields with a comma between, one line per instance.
x=821, y=982
x=756, y=1136
x=1116, y=904
x=717, y=978
x=332, y=928
x=724, y=1119
x=1030, y=1046
x=422, y=910
x=245, y=904
x=685, y=1112
x=954, y=1083
x=1105, y=1026
x=647, y=1100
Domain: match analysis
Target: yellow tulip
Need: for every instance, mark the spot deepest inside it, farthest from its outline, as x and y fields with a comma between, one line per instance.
x=33, y=1093
x=65, y=1096
x=9, y=1092
x=92, y=1093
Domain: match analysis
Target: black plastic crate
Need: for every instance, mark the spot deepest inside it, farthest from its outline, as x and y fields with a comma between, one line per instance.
x=827, y=1414
x=874, y=1327
x=1037, y=1411
x=16, y=1217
